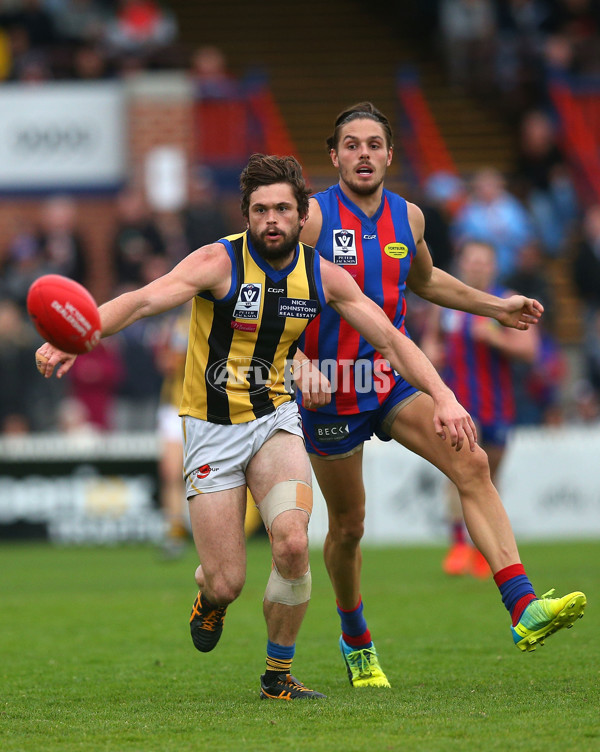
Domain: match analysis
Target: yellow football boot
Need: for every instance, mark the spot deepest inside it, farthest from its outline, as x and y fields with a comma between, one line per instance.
x=545, y=616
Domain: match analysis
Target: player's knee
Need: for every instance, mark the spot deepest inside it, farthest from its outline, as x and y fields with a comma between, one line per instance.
x=347, y=529
x=289, y=591
x=224, y=587
x=290, y=551
x=227, y=591
x=471, y=469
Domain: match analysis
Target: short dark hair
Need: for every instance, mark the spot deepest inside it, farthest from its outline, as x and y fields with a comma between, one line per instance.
x=358, y=111
x=263, y=169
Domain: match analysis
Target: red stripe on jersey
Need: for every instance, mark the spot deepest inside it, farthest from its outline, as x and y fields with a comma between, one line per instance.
x=349, y=338
x=461, y=369
x=311, y=339
x=390, y=267
x=507, y=402
x=485, y=381
x=390, y=288
x=403, y=314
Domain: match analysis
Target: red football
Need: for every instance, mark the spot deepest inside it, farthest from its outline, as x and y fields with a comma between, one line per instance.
x=64, y=313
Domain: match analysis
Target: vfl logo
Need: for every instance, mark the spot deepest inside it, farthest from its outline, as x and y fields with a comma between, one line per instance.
x=248, y=302
x=344, y=239
x=242, y=374
x=344, y=247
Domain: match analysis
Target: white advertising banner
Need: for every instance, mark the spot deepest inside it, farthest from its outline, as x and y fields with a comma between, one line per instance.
x=550, y=486
x=105, y=488
x=550, y=483
x=80, y=489
x=62, y=136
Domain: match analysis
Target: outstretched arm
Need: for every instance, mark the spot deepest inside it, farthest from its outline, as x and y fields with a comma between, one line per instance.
x=437, y=286
x=208, y=268
x=344, y=295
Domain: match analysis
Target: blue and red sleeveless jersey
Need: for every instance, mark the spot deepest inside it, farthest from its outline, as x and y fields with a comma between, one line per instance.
x=479, y=375
x=377, y=251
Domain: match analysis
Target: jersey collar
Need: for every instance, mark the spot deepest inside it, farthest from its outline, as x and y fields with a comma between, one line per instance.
x=275, y=274
x=357, y=210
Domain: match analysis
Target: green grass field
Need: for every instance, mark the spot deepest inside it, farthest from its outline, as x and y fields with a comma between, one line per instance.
x=96, y=655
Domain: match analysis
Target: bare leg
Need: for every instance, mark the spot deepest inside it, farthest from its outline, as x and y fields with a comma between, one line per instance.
x=283, y=458
x=495, y=454
x=455, y=514
x=341, y=483
x=289, y=537
x=218, y=527
x=485, y=516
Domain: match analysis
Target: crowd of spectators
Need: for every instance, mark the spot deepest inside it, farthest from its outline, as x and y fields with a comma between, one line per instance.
x=587, y=281
x=117, y=385
x=485, y=209
x=505, y=48
x=42, y=40
x=505, y=54
x=533, y=220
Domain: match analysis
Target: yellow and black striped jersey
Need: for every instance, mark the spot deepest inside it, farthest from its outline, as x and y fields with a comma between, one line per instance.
x=238, y=346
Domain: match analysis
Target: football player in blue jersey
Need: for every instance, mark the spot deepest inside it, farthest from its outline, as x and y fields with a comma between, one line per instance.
x=378, y=238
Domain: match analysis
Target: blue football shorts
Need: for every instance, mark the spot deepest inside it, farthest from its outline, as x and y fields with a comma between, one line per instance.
x=492, y=433
x=329, y=434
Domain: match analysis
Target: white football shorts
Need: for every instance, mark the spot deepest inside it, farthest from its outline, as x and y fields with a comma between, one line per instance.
x=216, y=456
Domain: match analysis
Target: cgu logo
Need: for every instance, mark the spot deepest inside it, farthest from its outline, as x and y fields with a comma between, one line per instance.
x=242, y=374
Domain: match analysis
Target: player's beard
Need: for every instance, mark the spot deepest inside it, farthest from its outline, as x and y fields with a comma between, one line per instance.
x=285, y=247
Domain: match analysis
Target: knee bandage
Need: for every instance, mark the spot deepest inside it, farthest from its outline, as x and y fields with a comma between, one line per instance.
x=289, y=494
x=288, y=592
